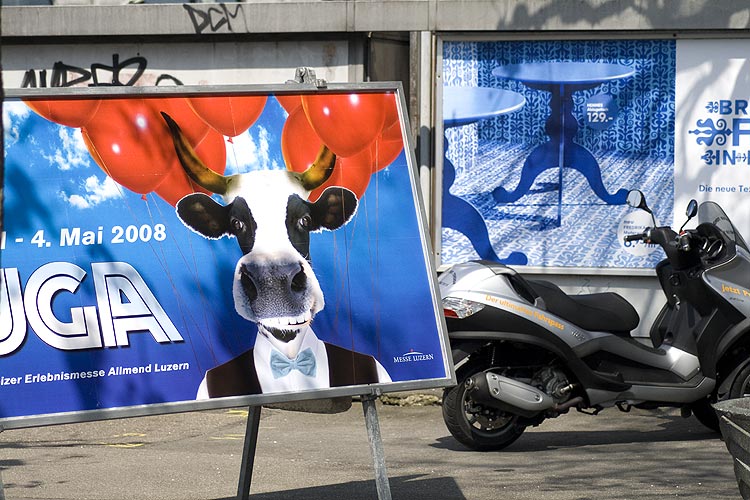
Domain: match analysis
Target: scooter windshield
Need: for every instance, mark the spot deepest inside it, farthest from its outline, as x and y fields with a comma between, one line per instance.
x=710, y=212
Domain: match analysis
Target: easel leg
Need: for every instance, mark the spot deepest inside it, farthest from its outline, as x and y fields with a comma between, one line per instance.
x=376, y=447
x=2, y=487
x=248, y=453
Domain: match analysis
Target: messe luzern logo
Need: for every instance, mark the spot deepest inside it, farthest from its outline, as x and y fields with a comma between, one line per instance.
x=412, y=356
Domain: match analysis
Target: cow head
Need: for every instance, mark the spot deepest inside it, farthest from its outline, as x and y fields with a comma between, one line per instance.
x=268, y=212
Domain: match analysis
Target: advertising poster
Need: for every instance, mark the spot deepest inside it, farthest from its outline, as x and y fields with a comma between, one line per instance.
x=713, y=131
x=185, y=247
x=543, y=140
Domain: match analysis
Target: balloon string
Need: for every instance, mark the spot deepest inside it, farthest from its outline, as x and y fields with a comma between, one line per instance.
x=163, y=263
x=187, y=319
x=197, y=317
x=376, y=284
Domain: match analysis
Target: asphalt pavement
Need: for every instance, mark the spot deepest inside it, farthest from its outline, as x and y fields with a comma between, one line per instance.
x=186, y=456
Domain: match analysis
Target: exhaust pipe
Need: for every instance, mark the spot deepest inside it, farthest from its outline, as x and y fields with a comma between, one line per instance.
x=508, y=394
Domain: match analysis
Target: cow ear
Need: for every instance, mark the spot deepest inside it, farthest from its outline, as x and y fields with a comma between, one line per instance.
x=334, y=208
x=204, y=215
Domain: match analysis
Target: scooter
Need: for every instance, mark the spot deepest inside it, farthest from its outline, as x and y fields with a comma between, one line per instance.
x=525, y=351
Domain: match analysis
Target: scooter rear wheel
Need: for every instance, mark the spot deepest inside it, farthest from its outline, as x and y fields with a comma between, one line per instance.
x=474, y=425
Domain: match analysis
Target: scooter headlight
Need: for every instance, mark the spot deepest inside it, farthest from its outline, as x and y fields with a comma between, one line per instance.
x=454, y=307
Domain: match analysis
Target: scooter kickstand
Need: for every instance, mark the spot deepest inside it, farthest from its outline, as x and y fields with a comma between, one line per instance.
x=624, y=407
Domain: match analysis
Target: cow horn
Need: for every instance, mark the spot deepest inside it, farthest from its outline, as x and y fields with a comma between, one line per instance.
x=320, y=170
x=192, y=164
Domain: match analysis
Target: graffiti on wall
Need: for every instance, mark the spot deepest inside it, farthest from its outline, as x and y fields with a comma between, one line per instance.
x=215, y=17
x=127, y=72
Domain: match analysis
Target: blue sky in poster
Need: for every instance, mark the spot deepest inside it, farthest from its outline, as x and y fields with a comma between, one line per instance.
x=373, y=273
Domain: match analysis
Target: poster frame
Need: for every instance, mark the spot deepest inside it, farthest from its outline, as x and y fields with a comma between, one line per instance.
x=435, y=208
x=289, y=88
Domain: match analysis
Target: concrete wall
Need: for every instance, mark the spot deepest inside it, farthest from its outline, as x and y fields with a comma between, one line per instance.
x=117, y=18
x=200, y=63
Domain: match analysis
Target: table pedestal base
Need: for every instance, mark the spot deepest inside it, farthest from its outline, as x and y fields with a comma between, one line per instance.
x=460, y=215
x=547, y=156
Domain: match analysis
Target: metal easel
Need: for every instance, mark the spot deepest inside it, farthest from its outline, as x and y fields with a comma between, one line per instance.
x=373, y=435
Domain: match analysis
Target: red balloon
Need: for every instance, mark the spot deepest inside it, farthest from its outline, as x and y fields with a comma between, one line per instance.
x=229, y=115
x=91, y=148
x=192, y=125
x=300, y=144
x=131, y=142
x=69, y=112
x=384, y=152
x=289, y=102
x=353, y=173
x=392, y=133
x=212, y=150
x=347, y=123
x=391, y=111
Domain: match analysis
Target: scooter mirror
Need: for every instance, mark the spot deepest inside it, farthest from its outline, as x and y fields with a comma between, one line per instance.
x=692, y=209
x=636, y=200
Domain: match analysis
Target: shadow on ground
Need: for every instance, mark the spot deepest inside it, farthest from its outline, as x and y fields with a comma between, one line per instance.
x=411, y=487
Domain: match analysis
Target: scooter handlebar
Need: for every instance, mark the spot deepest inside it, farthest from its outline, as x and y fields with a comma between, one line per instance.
x=635, y=237
x=684, y=241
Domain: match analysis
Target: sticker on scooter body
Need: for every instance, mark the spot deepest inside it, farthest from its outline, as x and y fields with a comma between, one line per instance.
x=567, y=332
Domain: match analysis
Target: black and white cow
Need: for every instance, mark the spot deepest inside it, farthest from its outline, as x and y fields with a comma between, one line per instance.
x=274, y=285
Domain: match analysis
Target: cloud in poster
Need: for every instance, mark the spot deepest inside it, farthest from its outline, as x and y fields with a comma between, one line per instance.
x=14, y=113
x=247, y=152
x=72, y=153
x=95, y=191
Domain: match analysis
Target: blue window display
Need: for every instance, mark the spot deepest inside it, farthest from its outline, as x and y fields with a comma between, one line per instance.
x=548, y=180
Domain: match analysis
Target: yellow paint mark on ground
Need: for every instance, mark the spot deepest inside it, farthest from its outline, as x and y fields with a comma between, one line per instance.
x=122, y=445
x=240, y=413
x=229, y=437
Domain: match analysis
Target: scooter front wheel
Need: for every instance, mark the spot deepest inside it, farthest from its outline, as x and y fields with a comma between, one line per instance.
x=475, y=425
x=738, y=388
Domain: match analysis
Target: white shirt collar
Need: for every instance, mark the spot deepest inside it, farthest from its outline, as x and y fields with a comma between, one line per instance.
x=295, y=380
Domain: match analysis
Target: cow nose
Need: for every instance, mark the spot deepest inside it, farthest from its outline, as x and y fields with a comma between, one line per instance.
x=277, y=279
x=248, y=283
x=299, y=280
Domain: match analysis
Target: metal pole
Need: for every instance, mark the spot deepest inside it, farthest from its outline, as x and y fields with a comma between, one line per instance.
x=376, y=447
x=2, y=488
x=248, y=453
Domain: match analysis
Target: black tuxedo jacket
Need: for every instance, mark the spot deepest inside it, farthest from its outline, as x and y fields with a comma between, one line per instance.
x=237, y=377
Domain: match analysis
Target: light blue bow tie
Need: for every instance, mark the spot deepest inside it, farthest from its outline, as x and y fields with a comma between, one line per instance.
x=304, y=362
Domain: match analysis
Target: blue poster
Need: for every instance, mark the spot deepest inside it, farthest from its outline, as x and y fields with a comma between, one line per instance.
x=162, y=249
x=542, y=142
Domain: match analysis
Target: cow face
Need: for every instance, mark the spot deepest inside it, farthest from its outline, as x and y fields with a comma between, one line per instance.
x=268, y=212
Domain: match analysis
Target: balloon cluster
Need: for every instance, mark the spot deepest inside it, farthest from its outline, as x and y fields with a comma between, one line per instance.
x=363, y=130
x=129, y=140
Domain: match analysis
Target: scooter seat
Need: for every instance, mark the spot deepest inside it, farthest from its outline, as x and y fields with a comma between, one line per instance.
x=603, y=312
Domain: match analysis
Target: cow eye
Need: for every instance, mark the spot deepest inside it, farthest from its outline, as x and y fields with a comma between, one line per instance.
x=237, y=225
x=305, y=222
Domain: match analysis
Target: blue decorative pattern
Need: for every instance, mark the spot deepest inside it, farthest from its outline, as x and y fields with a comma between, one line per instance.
x=708, y=132
x=636, y=151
